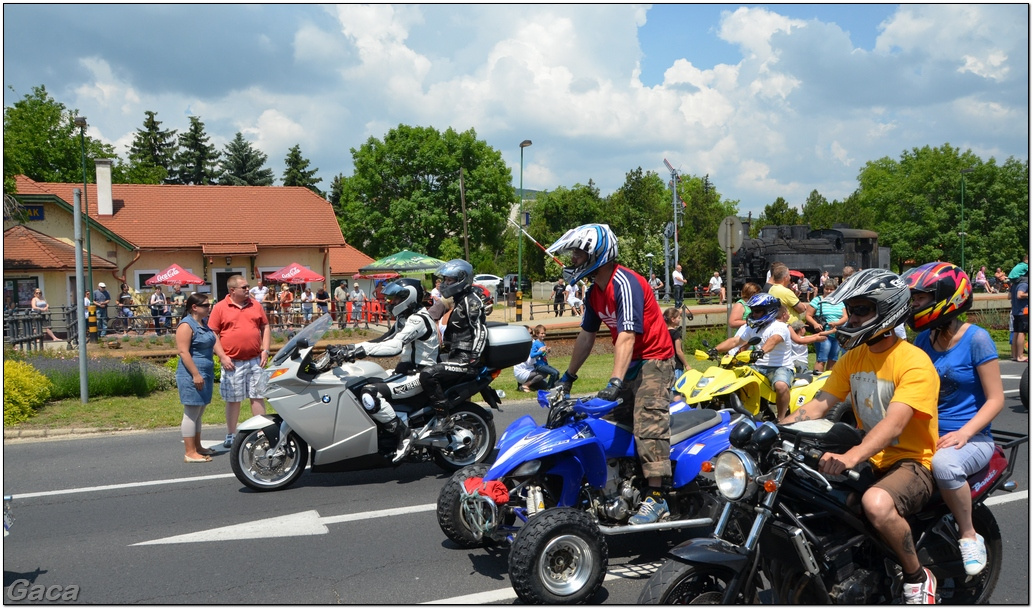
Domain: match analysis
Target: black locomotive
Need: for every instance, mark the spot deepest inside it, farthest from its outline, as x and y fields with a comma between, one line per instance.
x=811, y=252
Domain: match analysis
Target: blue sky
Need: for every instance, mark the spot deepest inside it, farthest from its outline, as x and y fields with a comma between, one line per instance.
x=769, y=100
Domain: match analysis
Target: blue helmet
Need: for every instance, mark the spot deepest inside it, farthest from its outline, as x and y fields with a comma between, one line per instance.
x=456, y=277
x=596, y=240
x=763, y=310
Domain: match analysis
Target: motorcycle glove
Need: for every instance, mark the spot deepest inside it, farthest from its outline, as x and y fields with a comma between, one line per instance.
x=564, y=385
x=612, y=390
x=358, y=353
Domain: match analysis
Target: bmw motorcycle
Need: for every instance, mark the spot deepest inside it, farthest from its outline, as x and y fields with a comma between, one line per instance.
x=557, y=490
x=319, y=415
x=810, y=542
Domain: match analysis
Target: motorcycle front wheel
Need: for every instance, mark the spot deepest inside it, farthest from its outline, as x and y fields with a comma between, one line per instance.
x=678, y=583
x=558, y=558
x=473, y=438
x=260, y=471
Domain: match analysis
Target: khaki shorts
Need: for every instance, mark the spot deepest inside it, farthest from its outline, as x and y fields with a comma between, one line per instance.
x=909, y=484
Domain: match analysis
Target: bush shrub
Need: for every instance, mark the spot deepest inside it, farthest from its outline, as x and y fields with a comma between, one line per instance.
x=25, y=391
x=105, y=376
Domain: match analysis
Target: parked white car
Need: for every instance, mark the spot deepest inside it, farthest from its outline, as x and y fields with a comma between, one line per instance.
x=490, y=282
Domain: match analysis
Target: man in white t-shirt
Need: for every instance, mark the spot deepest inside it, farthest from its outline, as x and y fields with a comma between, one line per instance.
x=259, y=292
x=775, y=343
x=715, y=286
x=678, y=283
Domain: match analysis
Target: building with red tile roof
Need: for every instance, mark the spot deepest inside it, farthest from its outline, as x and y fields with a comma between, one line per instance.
x=138, y=230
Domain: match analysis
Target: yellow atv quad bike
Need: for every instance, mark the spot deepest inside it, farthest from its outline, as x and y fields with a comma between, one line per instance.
x=733, y=383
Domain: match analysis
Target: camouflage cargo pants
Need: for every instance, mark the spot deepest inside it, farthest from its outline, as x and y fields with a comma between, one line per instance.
x=646, y=406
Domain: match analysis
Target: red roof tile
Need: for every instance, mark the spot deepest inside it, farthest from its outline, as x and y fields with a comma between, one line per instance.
x=268, y=216
x=347, y=260
x=27, y=249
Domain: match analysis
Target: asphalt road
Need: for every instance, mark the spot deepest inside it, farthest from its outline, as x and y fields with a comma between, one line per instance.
x=86, y=507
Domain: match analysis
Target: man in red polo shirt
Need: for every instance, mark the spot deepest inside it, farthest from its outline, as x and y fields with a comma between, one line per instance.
x=242, y=338
x=643, y=354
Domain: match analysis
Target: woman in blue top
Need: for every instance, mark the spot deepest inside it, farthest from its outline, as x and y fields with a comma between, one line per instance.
x=971, y=391
x=195, y=375
x=826, y=317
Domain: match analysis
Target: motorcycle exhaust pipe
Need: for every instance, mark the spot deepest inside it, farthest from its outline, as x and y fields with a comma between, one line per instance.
x=657, y=526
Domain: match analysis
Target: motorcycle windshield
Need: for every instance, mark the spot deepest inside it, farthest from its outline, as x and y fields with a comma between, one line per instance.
x=306, y=338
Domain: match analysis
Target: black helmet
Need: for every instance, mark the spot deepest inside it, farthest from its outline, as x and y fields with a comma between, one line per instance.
x=403, y=296
x=456, y=277
x=892, y=305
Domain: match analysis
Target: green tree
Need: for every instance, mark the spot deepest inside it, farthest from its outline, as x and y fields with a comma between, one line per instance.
x=404, y=193
x=637, y=212
x=243, y=165
x=336, y=190
x=818, y=212
x=42, y=142
x=196, y=161
x=698, y=250
x=297, y=173
x=152, y=153
x=778, y=212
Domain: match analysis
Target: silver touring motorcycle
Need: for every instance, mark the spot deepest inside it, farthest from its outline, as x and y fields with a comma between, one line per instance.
x=319, y=415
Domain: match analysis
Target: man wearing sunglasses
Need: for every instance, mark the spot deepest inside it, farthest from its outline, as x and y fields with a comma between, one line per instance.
x=893, y=387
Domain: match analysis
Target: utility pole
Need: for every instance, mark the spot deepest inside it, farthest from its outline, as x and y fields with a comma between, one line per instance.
x=675, y=200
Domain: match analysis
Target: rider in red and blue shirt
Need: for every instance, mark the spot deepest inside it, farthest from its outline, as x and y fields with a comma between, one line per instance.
x=643, y=355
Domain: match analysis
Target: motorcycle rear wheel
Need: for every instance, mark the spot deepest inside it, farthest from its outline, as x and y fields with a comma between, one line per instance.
x=558, y=558
x=976, y=589
x=261, y=473
x=450, y=509
x=468, y=418
x=678, y=583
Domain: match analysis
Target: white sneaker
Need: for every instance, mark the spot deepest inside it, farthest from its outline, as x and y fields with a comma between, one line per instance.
x=973, y=554
x=228, y=442
x=923, y=593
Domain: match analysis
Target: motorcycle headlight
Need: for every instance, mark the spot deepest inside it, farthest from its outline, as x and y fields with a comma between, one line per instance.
x=735, y=473
x=703, y=382
x=528, y=469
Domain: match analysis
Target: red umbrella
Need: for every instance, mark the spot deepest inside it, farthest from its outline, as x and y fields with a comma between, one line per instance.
x=294, y=273
x=175, y=275
x=797, y=274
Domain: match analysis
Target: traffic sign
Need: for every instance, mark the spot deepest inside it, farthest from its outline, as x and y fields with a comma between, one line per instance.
x=730, y=234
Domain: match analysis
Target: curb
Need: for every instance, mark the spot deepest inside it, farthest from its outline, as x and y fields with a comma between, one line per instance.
x=15, y=434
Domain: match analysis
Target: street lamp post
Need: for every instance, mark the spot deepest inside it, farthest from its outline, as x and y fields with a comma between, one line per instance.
x=650, y=256
x=961, y=232
x=520, y=239
x=80, y=122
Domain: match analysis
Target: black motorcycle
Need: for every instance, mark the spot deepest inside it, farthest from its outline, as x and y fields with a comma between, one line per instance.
x=810, y=542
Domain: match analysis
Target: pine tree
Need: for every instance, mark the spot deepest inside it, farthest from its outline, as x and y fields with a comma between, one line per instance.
x=152, y=154
x=197, y=160
x=243, y=165
x=297, y=172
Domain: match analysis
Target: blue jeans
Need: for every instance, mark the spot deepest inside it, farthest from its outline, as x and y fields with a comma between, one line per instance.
x=551, y=374
x=827, y=350
x=777, y=374
x=102, y=321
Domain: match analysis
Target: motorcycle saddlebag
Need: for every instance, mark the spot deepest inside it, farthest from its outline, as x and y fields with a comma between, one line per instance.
x=507, y=345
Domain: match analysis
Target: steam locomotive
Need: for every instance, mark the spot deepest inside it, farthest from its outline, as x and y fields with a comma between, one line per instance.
x=811, y=252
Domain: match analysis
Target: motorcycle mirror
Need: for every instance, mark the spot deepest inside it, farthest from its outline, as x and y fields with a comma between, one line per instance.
x=753, y=341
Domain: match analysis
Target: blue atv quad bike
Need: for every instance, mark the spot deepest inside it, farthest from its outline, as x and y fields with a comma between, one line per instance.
x=557, y=490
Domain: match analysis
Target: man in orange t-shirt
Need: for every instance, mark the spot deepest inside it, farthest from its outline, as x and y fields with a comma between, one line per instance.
x=242, y=337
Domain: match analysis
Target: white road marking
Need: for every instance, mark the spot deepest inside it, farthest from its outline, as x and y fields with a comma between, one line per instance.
x=1008, y=498
x=112, y=487
x=290, y=525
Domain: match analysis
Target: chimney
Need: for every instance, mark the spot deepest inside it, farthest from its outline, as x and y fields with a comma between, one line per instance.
x=104, y=205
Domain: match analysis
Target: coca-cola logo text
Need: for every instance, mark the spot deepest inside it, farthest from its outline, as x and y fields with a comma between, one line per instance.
x=169, y=275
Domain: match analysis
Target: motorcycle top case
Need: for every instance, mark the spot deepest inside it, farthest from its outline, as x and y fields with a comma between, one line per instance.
x=507, y=345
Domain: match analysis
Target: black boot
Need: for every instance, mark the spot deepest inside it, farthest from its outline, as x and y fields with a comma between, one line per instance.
x=403, y=436
x=441, y=421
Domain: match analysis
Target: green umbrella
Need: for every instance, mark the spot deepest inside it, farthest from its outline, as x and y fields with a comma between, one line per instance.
x=403, y=262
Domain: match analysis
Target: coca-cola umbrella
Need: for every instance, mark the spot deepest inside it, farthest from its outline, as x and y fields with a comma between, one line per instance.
x=294, y=273
x=175, y=275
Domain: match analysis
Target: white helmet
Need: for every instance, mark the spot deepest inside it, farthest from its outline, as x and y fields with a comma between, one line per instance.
x=892, y=300
x=596, y=240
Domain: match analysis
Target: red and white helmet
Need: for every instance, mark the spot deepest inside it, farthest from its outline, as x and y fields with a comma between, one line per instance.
x=596, y=240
